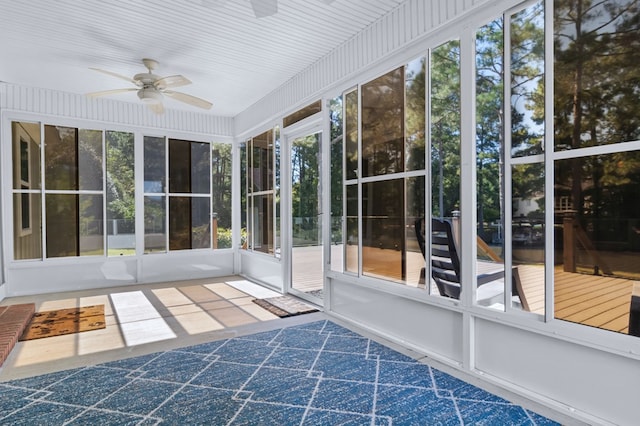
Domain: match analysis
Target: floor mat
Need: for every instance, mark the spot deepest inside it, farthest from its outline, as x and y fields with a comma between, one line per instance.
x=285, y=306
x=64, y=321
x=317, y=373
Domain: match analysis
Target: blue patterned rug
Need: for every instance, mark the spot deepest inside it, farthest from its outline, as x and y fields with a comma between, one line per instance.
x=311, y=374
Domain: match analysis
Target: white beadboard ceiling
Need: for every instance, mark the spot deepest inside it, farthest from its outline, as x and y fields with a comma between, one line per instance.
x=233, y=58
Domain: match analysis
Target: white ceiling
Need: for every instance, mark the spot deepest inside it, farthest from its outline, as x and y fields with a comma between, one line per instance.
x=233, y=58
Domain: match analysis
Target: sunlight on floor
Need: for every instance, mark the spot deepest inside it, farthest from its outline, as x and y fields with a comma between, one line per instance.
x=192, y=318
x=145, y=315
x=139, y=321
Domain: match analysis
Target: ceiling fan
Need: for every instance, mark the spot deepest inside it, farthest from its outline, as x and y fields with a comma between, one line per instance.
x=152, y=88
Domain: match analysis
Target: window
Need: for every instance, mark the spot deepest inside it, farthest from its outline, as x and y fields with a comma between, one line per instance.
x=155, y=226
x=336, y=111
x=221, y=194
x=302, y=113
x=74, y=191
x=72, y=194
x=596, y=160
x=260, y=192
x=351, y=161
x=27, y=196
x=383, y=143
x=490, y=182
x=383, y=198
x=525, y=142
x=177, y=195
x=509, y=161
x=189, y=195
x=83, y=204
x=121, y=208
x=383, y=124
x=444, y=129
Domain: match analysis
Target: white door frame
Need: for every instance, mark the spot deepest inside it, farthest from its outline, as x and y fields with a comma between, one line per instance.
x=306, y=127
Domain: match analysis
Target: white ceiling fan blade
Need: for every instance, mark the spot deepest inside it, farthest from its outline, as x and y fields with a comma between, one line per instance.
x=171, y=81
x=264, y=8
x=110, y=92
x=188, y=99
x=115, y=74
x=327, y=1
x=158, y=108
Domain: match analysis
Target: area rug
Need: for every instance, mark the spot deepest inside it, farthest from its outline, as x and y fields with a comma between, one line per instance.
x=284, y=306
x=317, y=373
x=64, y=321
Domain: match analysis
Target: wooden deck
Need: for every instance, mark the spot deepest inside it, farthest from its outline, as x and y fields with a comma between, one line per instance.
x=592, y=300
x=307, y=268
x=596, y=301
x=532, y=279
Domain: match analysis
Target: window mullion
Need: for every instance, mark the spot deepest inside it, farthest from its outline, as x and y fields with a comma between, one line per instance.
x=468, y=196
x=548, y=162
x=506, y=161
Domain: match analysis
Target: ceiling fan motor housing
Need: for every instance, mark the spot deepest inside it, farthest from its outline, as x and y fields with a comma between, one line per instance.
x=150, y=95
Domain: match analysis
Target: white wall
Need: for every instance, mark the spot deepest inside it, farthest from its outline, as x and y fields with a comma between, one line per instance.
x=556, y=364
x=597, y=382
x=263, y=268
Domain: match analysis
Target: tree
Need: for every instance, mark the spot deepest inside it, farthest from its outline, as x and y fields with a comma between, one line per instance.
x=489, y=122
x=445, y=128
x=596, y=87
x=336, y=140
x=120, y=187
x=305, y=186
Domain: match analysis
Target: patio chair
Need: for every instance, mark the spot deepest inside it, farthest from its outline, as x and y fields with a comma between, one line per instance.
x=445, y=267
x=634, y=311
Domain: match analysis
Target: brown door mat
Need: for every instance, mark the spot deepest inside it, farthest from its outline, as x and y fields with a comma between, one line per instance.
x=65, y=321
x=285, y=306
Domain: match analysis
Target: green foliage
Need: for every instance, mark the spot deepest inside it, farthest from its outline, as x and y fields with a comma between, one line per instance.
x=305, y=177
x=445, y=128
x=221, y=183
x=224, y=238
x=597, y=49
x=336, y=116
x=120, y=175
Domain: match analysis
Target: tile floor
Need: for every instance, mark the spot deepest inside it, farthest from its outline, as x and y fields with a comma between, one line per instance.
x=317, y=373
x=142, y=319
x=147, y=319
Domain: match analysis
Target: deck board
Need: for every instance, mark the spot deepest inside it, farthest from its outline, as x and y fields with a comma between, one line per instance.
x=592, y=300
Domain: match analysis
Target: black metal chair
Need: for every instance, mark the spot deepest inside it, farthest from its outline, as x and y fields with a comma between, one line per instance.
x=445, y=261
x=634, y=311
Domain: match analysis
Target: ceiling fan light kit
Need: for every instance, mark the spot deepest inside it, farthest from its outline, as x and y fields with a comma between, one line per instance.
x=151, y=88
x=150, y=96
